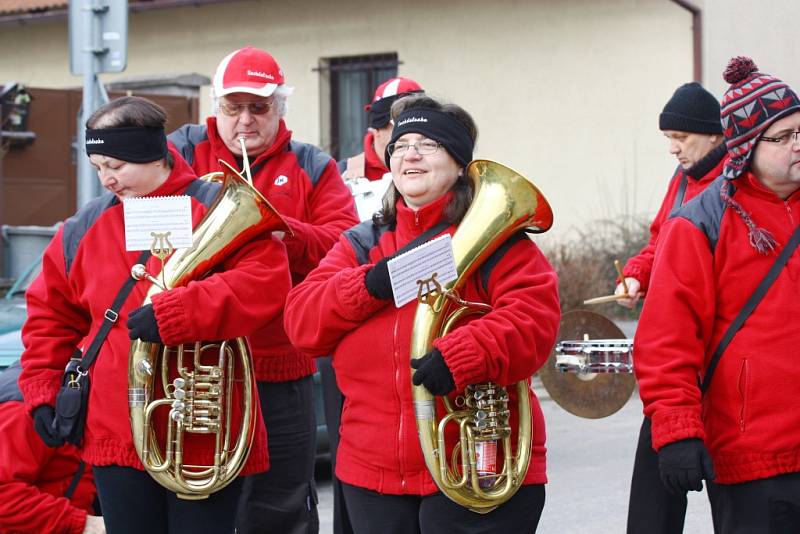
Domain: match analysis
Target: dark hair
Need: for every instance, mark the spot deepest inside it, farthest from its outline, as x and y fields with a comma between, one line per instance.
x=129, y=111
x=463, y=189
x=126, y=112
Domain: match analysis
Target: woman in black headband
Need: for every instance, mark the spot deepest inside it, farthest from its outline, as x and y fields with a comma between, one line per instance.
x=345, y=306
x=84, y=268
x=126, y=143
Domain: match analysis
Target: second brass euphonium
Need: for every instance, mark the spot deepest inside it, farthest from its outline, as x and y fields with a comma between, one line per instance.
x=504, y=202
x=195, y=386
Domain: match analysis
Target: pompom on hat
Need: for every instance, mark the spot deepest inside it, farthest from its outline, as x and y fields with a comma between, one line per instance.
x=750, y=105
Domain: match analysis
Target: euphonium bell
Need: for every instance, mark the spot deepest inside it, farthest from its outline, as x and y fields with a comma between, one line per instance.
x=504, y=202
x=197, y=385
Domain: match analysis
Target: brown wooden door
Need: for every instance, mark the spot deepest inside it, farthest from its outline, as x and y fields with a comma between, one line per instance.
x=37, y=181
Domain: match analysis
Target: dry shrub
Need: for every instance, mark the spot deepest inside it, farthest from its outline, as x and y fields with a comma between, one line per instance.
x=585, y=262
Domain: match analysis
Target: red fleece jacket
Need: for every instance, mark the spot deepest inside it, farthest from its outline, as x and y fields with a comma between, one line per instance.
x=34, y=478
x=317, y=214
x=750, y=415
x=66, y=309
x=370, y=340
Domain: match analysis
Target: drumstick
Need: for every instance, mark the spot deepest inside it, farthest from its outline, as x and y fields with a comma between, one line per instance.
x=603, y=300
x=621, y=276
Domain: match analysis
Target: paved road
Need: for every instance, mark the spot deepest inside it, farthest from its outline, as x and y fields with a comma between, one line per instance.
x=589, y=464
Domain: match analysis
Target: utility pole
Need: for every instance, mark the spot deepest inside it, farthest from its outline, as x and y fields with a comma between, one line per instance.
x=98, y=38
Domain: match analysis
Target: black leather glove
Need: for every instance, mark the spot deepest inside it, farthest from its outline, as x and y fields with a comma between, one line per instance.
x=684, y=464
x=43, y=417
x=142, y=324
x=377, y=280
x=433, y=373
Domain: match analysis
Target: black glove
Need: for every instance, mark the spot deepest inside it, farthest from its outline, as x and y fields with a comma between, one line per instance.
x=433, y=373
x=684, y=464
x=142, y=324
x=377, y=280
x=43, y=417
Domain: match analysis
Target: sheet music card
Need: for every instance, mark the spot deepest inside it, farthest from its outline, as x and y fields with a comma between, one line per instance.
x=147, y=215
x=419, y=263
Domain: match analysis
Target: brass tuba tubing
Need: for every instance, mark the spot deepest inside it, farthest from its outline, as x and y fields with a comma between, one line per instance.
x=239, y=213
x=504, y=202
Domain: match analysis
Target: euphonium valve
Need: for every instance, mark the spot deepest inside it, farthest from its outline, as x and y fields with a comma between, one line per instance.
x=504, y=202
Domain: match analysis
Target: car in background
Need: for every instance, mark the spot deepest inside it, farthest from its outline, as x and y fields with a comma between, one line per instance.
x=12, y=315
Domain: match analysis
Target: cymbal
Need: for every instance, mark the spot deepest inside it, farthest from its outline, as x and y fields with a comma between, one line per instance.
x=594, y=395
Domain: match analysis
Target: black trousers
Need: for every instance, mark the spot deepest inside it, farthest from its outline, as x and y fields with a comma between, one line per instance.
x=372, y=512
x=768, y=506
x=133, y=502
x=284, y=499
x=334, y=401
x=652, y=509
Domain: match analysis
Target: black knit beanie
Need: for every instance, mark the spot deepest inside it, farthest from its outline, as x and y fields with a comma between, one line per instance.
x=691, y=109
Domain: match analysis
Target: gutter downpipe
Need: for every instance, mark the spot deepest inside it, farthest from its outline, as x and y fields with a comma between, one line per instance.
x=697, y=37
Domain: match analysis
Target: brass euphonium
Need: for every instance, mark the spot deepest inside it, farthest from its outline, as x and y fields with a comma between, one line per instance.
x=197, y=381
x=504, y=202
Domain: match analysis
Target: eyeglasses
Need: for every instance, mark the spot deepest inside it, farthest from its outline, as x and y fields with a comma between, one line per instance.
x=423, y=148
x=783, y=140
x=233, y=109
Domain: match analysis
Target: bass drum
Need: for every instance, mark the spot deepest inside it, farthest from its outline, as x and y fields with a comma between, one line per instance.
x=587, y=342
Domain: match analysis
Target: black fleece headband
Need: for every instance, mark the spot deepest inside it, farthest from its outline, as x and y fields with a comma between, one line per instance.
x=134, y=144
x=378, y=112
x=438, y=126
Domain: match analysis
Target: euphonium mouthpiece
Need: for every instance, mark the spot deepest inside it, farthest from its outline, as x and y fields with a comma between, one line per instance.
x=138, y=272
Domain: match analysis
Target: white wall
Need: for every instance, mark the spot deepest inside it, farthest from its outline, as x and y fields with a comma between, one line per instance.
x=763, y=30
x=567, y=92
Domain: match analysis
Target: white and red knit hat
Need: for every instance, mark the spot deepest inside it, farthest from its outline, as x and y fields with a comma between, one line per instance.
x=248, y=70
x=753, y=102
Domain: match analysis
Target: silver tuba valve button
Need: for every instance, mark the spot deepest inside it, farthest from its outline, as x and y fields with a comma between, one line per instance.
x=145, y=367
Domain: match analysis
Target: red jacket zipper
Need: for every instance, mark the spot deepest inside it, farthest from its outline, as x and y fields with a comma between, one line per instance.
x=398, y=393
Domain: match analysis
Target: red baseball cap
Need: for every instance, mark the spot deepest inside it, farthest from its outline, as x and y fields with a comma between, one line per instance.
x=394, y=87
x=248, y=70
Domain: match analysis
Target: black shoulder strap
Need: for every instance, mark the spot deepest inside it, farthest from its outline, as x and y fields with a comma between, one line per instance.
x=111, y=316
x=73, y=485
x=750, y=306
x=497, y=255
x=424, y=236
x=681, y=192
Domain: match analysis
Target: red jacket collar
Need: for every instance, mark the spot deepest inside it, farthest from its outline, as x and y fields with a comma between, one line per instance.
x=374, y=167
x=748, y=182
x=282, y=138
x=411, y=223
x=179, y=177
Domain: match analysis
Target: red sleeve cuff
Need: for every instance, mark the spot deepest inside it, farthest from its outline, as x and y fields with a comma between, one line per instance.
x=295, y=243
x=173, y=324
x=357, y=303
x=636, y=271
x=462, y=359
x=675, y=425
x=76, y=521
x=38, y=393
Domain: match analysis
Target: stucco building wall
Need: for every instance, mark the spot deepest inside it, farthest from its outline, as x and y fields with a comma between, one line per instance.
x=567, y=92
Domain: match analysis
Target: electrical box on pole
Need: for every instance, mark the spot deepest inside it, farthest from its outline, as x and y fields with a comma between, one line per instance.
x=98, y=42
x=110, y=47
